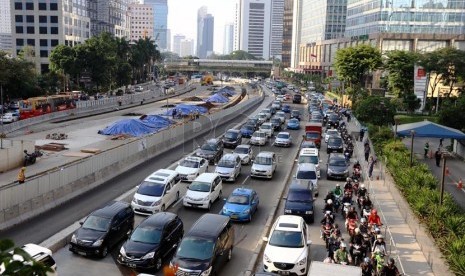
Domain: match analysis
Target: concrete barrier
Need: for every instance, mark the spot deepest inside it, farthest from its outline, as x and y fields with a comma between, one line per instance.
x=19, y=202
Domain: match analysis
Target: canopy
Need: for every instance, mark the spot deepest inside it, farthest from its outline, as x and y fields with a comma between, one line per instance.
x=186, y=109
x=429, y=129
x=133, y=127
x=217, y=98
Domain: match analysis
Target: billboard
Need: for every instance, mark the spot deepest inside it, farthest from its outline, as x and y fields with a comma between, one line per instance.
x=420, y=84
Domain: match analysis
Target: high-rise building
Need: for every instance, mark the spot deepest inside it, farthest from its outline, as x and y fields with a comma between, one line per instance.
x=141, y=21
x=228, y=38
x=168, y=40
x=42, y=25
x=110, y=16
x=287, y=33
x=277, y=19
x=177, y=43
x=160, y=22
x=296, y=33
x=186, y=47
x=6, y=43
x=205, y=28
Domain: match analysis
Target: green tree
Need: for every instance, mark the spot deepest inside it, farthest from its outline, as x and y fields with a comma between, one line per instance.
x=375, y=110
x=451, y=113
x=411, y=102
x=400, y=65
x=241, y=55
x=18, y=77
x=13, y=266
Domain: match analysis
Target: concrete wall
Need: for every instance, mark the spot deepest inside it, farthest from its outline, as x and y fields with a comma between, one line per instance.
x=12, y=153
x=21, y=201
x=459, y=149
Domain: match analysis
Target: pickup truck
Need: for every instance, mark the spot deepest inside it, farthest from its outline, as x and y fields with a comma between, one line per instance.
x=329, y=269
x=313, y=133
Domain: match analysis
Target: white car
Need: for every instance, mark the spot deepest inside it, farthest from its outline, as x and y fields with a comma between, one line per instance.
x=329, y=133
x=281, y=115
x=306, y=175
x=258, y=138
x=267, y=128
x=310, y=155
x=204, y=190
x=264, y=165
x=276, y=104
x=262, y=118
x=9, y=118
x=229, y=167
x=245, y=152
x=268, y=113
x=191, y=167
x=157, y=192
x=283, y=139
x=280, y=98
x=39, y=254
x=287, y=247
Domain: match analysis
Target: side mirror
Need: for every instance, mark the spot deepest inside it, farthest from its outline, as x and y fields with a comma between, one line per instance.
x=309, y=242
x=265, y=239
x=296, y=160
x=81, y=222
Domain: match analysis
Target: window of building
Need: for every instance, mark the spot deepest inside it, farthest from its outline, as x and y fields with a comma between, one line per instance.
x=30, y=18
x=54, y=30
x=18, y=18
x=30, y=30
x=44, y=68
x=42, y=19
x=43, y=30
x=19, y=29
x=31, y=42
x=54, y=42
x=19, y=42
x=43, y=53
x=42, y=6
x=53, y=19
x=18, y=6
x=29, y=6
x=43, y=42
x=53, y=6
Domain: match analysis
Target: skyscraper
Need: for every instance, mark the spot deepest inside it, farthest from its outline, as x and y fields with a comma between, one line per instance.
x=109, y=16
x=5, y=26
x=205, y=28
x=177, y=43
x=160, y=22
x=140, y=21
x=186, y=48
x=277, y=19
x=228, y=39
x=287, y=33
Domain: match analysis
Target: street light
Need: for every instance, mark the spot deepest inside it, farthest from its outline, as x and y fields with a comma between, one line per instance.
x=1, y=121
x=412, y=134
x=444, y=158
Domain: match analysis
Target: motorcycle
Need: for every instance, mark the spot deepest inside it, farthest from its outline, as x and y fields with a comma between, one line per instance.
x=357, y=174
x=347, y=155
x=351, y=227
x=378, y=259
x=346, y=208
x=327, y=230
x=337, y=203
x=357, y=254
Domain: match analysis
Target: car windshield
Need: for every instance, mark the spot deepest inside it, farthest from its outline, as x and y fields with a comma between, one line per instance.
x=261, y=116
x=335, y=142
x=300, y=196
x=276, y=121
x=248, y=127
x=239, y=199
x=337, y=162
x=226, y=164
x=312, y=135
x=96, y=223
x=259, y=134
x=151, y=188
x=241, y=150
x=209, y=147
x=230, y=135
x=195, y=248
x=306, y=174
x=308, y=145
x=199, y=186
x=295, y=113
x=283, y=238
x=283, y=136
x=260, y=160
x=189, y=163
x=265, y=127
x=332, y=132
x=308, y=159
x=147, y=234
x=293, y=121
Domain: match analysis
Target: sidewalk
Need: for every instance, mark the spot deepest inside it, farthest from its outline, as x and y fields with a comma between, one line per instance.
x=401, y=240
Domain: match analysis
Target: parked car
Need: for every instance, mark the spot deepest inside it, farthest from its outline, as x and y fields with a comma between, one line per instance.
x=299, y=202
x=232, y=138
x=157, y=192
x=264, y=165
x=287, y=246
x=283, y=139
x=212, y=150
x=337, y=167
x=229, y=167
x=293, y=124
x=39, y=254
x=204, y=191
x=152, y=242
x=259, y=138
x=267, y=128
x=191, y=167
x=245, y=152
x=206, y=247
x=247, y=130
x=103, y=229
x=9, y=118
x=241, y=204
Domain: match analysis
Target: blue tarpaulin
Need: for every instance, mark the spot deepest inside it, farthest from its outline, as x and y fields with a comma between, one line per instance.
x=157, y=120
x=133, y=127
x=186, y=109
x=430, y=129
x=225, y=91
x=217, y=98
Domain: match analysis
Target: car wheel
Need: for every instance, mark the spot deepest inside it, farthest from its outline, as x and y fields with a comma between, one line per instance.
x=229, y=254
x=104, y=252
x=177, y=197
x=209, y=205
x=162, y=209
x=158, y=264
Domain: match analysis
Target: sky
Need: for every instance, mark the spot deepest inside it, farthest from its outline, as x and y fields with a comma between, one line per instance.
x=182, y=18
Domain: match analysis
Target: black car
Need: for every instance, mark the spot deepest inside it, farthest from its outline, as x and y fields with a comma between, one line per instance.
x=276, y=123
x=206, y=247
x=299, y=202
x=333, y=121
x=295, y=114
x=152, y=241
x=297, y=98
x=337, y=167
x=103, y=229
x=335, y=144
x=212, y=150
x=232, y=138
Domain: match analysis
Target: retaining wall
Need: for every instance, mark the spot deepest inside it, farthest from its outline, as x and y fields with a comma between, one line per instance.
x=12, y=154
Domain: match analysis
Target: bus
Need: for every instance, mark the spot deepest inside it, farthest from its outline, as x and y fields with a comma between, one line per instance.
x=37, y=106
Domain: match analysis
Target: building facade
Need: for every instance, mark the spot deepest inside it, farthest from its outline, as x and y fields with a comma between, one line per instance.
x=41, y=25
x=277, y=27
x=177, y=43
x=141, y=21
x=205, y=31
x=6, y=43
x=109, y=16
x=287, y=33
x=228, y=38
x=160, y=22
x=186, y=48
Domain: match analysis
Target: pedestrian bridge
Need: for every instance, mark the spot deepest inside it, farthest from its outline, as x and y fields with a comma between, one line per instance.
x=214, y=65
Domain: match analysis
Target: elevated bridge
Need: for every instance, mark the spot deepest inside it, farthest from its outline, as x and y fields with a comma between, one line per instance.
x=214, y=65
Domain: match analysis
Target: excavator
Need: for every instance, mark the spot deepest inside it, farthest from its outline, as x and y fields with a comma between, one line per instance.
x=207, y=80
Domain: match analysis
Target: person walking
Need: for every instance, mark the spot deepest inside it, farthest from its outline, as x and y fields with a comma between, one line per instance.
x=437, y=155
x=348, y=117
x=426, y=148
x=367, y=151
x=371, y=166
x=440, y=142
x=362, y=133
x=22, y=175
x=174, y=113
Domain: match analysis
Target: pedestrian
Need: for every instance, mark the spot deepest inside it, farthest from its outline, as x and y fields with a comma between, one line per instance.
x=440, y=142
x=371, y=166
x=22, y=175
x=426, y=148
x=367, y=151
x=437, y=155
x=174, y=113
x=348, y=117
x=362, y=133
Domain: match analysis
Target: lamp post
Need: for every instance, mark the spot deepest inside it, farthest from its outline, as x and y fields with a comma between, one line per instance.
x=1, y=121
x=412, y=134
x=443, y=177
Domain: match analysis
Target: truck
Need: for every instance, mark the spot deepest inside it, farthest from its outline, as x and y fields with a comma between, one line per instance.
x=330, y=269
x=313, y=133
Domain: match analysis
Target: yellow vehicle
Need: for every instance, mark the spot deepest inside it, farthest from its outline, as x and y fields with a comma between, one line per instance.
x=207, y=80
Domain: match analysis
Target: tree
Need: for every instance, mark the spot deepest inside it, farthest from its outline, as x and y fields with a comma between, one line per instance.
x=18, y=77
x=375, y=110
x=411, y=102
x=13, y=266
x=452, y=114
x=241, y=55
x=400, y=65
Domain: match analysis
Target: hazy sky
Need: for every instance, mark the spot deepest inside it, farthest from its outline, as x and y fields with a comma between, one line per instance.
x=182, y=18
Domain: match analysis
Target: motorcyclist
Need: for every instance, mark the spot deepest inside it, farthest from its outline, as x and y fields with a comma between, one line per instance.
x=364, y=228
x=366, y=205
x=367, y=267
x=356, y=240
x=362, y=191
x=347, y=198
x=341, y=256
x=390, y=269
x=351, y=215
x=329, y=206
x=357, y=166
x=374, y=218
x=328, y=218
x=338, y=191
x=329, y=196
x=333, y=244
x=379, y=246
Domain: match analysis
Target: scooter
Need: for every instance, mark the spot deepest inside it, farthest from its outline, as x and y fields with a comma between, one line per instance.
x=358, y=254
x=346, y=208
x=351, y=227
x=29, y=159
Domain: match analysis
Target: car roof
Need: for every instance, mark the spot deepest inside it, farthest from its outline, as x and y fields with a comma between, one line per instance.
x=306, y=167
x=284, y=132
x=265, y=154
x=230, y=156
x=208, y=225
x=244, y=146
x=266, y=124
x=336, y=156
x=296, y=187
x=206, y=177
x=161, y=176
x=193, y=158
x=233, y=130
x=308, y=151
x=259, y=131
x=242, y=191
x=110, y=209
x=159, y=219
x=289, y=223
x=35, y=250
x=212, y=141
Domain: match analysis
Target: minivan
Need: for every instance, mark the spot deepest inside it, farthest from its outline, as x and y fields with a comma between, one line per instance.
x=229, y=167
x=38, y=253
x=299, y=202
x=206, y=247
x=203, y=191
x=297, y=98
x=232, y=138
x=103, y=229
x=306, y=175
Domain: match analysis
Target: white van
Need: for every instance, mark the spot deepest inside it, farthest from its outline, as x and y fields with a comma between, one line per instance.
x=39, y=254
x=157, y=192
x=306, y=175
x=310, y=155
x=203, y=191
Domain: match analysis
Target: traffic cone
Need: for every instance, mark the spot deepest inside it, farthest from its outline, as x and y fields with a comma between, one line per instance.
x=460, y=184
x=447, y=171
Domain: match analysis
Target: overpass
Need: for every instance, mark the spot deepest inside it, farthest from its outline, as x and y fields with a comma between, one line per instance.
x=214, y=65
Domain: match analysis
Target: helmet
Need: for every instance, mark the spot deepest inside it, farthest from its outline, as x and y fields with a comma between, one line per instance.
x=379, y=236
x=348, y=179
x=366, y=260
x=363, y=220
x=343, y=245
x=329, y=201
x=357, y=231
x=374, y=211
x=338, y=185
x=362, y=186
x=328, y=212
x=391, y=261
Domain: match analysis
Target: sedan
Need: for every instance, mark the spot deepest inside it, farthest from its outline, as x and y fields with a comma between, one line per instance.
x=283, y=139
x=259, y=138
x=293, y=124
x=286, y=108
x=267, y=128
x=337, y=167
x=295, y=114
x=9, y=118
x=241, y=204
x=245, y=152
x=247, y=131
x=330, y=133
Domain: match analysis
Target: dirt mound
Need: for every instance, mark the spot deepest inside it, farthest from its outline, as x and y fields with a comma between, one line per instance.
x=207, y=105
x=192, y=99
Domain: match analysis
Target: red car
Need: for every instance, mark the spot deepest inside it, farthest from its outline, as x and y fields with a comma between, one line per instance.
x=287, y=97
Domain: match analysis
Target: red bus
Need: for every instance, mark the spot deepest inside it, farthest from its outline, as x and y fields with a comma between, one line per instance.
x=38, y=106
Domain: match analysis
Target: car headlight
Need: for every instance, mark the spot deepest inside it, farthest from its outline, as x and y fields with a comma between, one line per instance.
x=246, y=211
x=206, y=198
x=308, y=212
x=156, y=203
x=206, y=272
x=224, y=210
x=73, y=238
x=265, y=257
x=330, y=171
x=98, y=242
x=122, y=251
x=287, y=211
x=303, y=261
x=346, y=171
x=149, y=255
